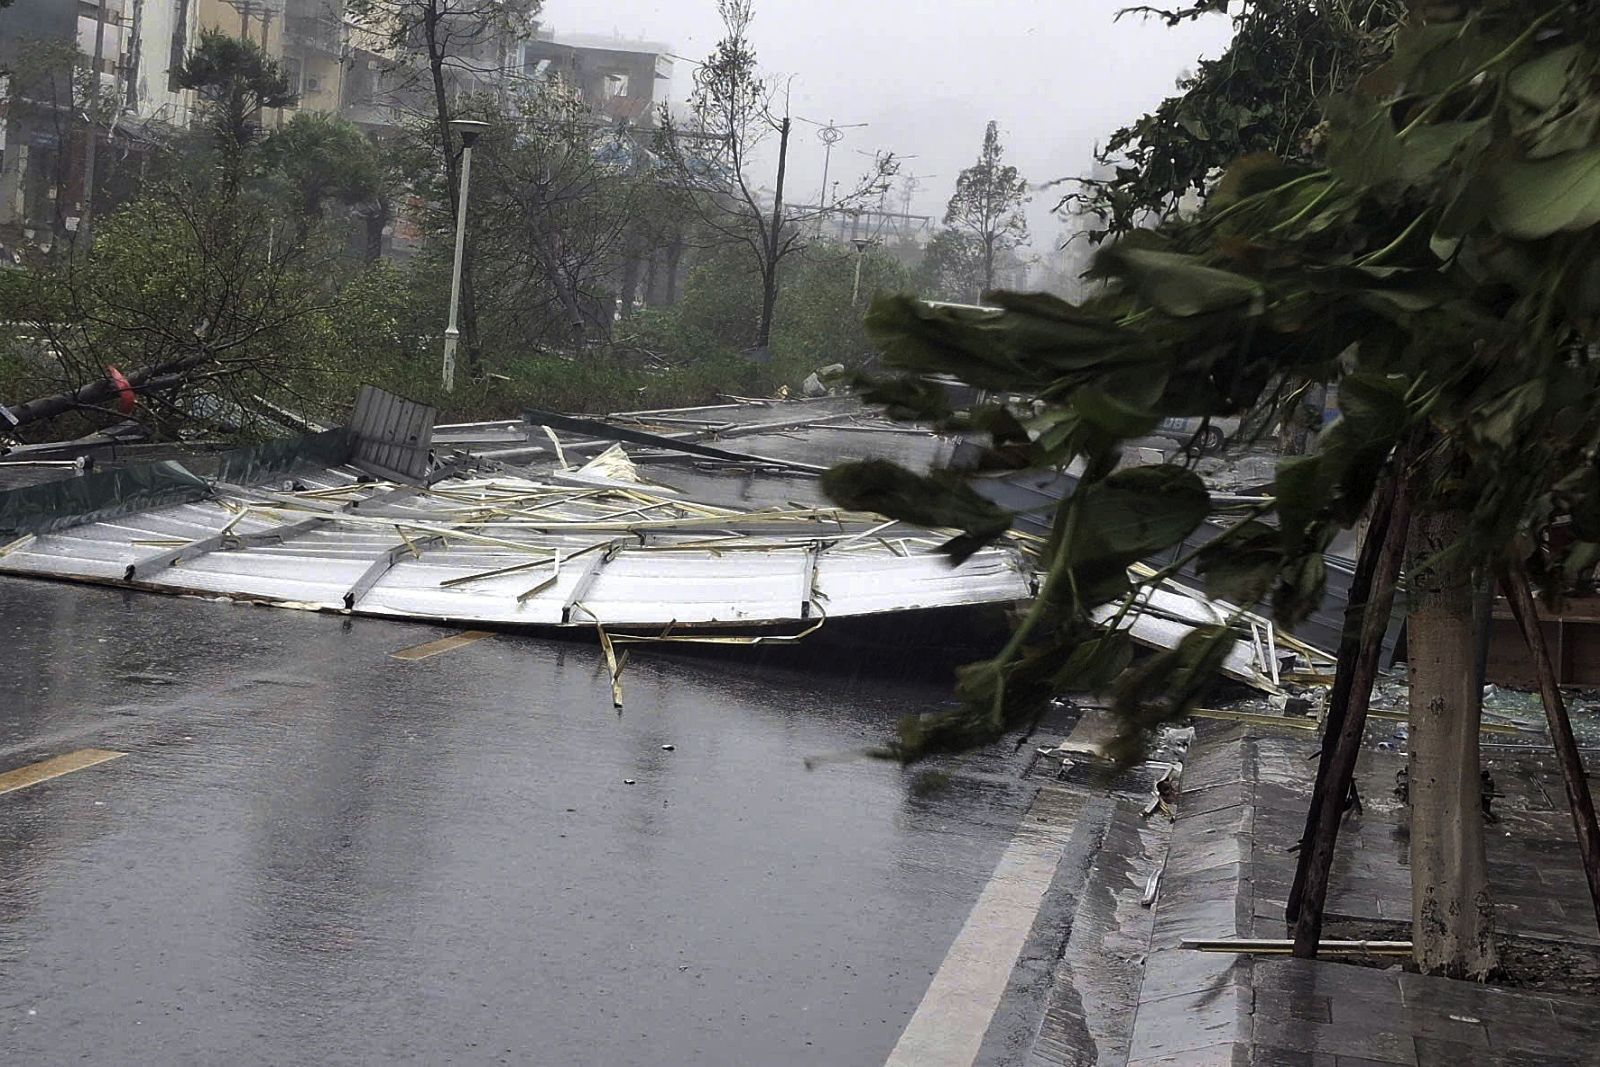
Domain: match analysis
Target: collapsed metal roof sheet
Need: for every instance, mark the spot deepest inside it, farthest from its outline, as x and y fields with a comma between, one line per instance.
x=557, y=548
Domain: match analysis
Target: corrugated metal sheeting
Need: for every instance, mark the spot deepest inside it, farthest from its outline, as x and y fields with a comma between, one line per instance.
x=554, y=549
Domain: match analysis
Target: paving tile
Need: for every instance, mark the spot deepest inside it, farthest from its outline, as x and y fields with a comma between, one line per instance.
x=1213, y=917
x=1325, y=978
x=1432, y=1052
x=1325, y=1013
x=1582, y=1021
x=1284, y=1004
x=1531, y=1033
x=1273, y=1056
x=1177, y=971
x=1211, y=798
x=1179, y=886
x=1336, y=1039
x=1220, y=1055
x=1186, y=1023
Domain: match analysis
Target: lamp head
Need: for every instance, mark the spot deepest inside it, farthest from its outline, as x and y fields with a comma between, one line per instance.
x=469, y=129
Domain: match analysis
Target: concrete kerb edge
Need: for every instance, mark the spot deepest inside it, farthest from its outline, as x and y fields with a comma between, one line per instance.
x=1195, y=1005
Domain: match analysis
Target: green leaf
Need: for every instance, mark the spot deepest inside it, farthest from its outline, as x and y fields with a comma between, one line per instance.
x=1299, y=588
x=1428, y=148
x=1571, y=130
x=1135, y=512
x=938, y=500
x=1539, y=197
x=1180, y=285
x=1503, y=422
x=905, y=398
x=1362, y=147
x=1374, y=413
x=1094, y=664
x=1540, y=82
x=1111, y=414
x=1242, y=567
x=1580, y=495
x=1168, y=685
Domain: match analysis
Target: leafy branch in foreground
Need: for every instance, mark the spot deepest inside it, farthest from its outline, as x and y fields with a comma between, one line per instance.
x=1437, y=264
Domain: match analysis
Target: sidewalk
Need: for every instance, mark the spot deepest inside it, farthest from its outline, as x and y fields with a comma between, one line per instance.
x=1228, y=872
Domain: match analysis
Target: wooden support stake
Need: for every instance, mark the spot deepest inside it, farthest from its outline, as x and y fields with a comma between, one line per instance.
x=1347, y=720
x=1514, y=580
x=1339, y=696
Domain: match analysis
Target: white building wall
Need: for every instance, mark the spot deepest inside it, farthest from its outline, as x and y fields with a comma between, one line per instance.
x=158, y=19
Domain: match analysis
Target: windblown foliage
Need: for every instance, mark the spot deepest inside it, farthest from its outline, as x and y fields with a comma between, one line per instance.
x=1263, y=94
x=1438, y=265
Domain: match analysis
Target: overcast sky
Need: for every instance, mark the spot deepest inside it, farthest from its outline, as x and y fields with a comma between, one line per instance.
x=926, y=76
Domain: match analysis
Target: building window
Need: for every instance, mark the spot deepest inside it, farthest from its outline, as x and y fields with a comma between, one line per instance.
x=616, y=84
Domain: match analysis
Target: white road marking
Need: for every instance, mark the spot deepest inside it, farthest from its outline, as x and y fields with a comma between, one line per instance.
x=948, y=1027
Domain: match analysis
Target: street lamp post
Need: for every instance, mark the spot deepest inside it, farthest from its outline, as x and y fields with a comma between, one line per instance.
x=862, y=244
x=470, y=130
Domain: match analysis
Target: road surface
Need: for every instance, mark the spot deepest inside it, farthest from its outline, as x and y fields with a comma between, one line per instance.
x=314, y=851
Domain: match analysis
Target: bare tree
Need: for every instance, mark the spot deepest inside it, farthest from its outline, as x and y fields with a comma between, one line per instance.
x=733, y=113
x=988, y=203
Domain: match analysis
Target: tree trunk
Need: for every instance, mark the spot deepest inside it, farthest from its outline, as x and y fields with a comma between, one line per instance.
x=651, y=296
x=100, y=391
x=769, y=305
x=1452, y=917
x=376, y=221
x=630, y=283
x=549, y=256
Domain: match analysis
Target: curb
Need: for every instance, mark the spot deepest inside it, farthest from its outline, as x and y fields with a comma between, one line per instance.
x=1196, y=1008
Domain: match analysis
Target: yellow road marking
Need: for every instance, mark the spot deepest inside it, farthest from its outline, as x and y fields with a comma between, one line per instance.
x=444, y=644
x=54, y=767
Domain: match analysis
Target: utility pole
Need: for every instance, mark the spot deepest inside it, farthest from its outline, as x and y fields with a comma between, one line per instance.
x=93, y=117
x=769, y=273
x=829, y=135
x=913, y=184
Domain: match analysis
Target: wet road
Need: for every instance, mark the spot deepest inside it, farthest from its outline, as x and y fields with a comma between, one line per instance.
x=315, y=852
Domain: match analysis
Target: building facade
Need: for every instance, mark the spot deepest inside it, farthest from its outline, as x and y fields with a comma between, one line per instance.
x=91, y=89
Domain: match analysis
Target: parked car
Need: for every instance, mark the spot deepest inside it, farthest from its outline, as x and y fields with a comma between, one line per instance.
x=1195, y=434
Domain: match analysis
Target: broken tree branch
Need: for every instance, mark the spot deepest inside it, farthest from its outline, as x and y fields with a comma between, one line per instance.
x=103, y=389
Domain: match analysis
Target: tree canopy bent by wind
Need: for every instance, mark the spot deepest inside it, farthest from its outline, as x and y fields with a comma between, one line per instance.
x=1435, y=260
x=1263, y=94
